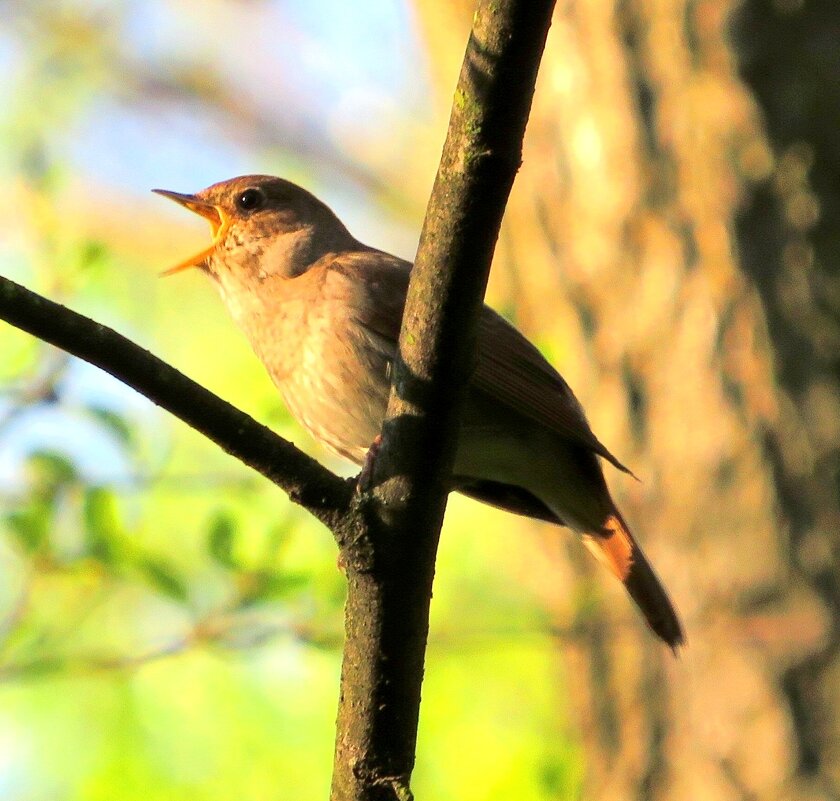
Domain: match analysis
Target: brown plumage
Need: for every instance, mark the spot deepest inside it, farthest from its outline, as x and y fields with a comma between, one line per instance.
x=323, y=311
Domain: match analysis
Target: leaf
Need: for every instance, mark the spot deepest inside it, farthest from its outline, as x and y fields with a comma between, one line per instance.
x=220, y=540
x=102, y=523
x=268, y=586
x=164, y=578
x=29, y=526
x=93, y=253
x=49, y=473
x=116, y=425
x=38, y=668
x=51, y=470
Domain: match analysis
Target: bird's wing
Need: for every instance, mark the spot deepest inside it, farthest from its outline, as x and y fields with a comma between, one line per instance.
x=509, y=369
x=378, y=285
x=513, y=372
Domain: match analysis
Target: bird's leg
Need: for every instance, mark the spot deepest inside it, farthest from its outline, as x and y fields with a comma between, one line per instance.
x=366, y=475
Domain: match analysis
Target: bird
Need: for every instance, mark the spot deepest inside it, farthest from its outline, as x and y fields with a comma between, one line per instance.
x=322, y=311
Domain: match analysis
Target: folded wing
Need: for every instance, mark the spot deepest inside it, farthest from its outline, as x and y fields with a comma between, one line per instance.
x=509, y=369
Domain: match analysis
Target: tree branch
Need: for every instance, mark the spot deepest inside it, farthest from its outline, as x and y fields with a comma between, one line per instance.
x=391, y=554
x=307, y=482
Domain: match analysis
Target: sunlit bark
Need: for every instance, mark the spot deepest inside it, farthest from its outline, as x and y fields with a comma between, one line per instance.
x=642, y=148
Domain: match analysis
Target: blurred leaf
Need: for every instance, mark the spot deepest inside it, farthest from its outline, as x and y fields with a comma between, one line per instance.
x=102, y=523
x=37, y=668
x=51, y=470
x=48, y=473
x=269, y=586
x=164, y=578
x=92, y=255
x=30, y=526
x=279, y=535
x=220, y=540
x=114, y=423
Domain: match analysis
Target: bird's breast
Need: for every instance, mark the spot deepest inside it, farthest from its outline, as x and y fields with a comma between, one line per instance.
x=333, y=375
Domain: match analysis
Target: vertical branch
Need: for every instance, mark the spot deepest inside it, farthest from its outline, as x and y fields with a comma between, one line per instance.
x=391, y=540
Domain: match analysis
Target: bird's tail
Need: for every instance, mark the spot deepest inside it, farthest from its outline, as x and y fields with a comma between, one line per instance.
x=616, y=548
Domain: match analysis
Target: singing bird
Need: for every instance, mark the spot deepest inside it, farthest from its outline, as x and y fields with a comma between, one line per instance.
x=322, y=311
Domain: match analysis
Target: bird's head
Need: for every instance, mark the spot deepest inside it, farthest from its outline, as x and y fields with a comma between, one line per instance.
x=262, y=226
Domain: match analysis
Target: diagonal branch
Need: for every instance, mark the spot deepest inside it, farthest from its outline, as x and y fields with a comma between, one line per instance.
x=391, y=559
x=307, y=482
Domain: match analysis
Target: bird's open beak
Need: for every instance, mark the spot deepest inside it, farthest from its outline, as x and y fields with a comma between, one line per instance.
x=218, y=222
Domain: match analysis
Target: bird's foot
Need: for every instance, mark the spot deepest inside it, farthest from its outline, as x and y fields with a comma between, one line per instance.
x=363, y=482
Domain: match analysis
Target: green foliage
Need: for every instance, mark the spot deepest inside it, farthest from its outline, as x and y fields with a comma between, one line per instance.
x=30, y=524
x=220, y=540
x=101, y=523
x=114, y=423
x=163, y=578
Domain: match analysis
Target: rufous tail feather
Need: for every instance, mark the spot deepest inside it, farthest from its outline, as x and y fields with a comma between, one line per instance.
x=619, y=552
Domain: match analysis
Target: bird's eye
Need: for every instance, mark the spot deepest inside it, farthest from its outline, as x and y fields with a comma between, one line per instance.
x=250, y=199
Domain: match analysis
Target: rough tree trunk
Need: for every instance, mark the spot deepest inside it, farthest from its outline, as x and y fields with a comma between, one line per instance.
x=648, y=170
x=789, y=235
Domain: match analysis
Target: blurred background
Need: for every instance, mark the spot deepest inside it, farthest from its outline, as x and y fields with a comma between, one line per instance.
x=170, y=625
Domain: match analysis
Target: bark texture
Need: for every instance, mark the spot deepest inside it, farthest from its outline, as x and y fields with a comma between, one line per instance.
x=648, y=170
x=789, y=235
